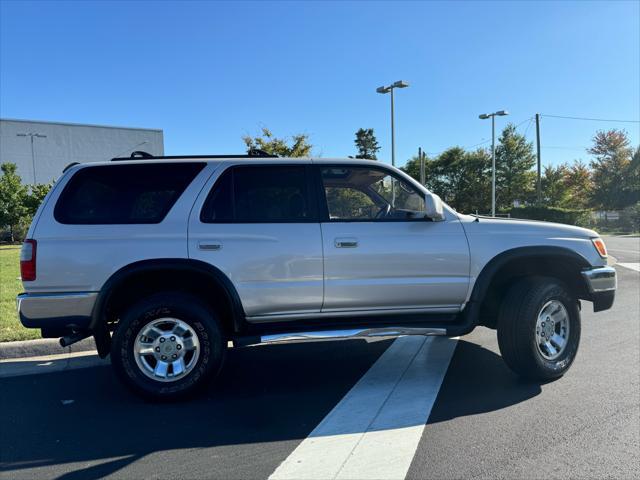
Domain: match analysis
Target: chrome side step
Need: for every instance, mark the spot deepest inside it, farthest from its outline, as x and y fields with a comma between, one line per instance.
x=340, y=334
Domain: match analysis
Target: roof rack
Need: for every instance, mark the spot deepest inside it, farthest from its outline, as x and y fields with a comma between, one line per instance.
x=141, y=155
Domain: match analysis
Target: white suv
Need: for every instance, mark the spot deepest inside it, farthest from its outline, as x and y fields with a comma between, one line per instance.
x=164, y=260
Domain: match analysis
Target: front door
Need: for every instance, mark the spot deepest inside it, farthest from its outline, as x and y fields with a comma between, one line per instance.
x=380, y=252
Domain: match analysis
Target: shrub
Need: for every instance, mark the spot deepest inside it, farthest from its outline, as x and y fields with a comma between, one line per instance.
x=630, y=218
x=581, y=218
x=18, y=203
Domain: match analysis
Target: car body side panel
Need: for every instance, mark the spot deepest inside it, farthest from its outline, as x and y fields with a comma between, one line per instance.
x=81, y=258
x=490, y=237
x=418, y=264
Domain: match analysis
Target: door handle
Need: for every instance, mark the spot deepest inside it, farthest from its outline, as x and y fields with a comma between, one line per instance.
x=210, y=246
x=346, y=242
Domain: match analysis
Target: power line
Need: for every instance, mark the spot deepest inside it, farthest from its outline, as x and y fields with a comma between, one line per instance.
x=590, y=119
x=528, y=126
x=522, y=122
x=564, y=148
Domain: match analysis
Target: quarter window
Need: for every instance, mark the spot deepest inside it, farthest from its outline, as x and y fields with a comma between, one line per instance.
x=123, y=194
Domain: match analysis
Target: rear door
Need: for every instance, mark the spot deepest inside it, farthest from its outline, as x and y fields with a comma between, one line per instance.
x=258, y=223
x=380, y=252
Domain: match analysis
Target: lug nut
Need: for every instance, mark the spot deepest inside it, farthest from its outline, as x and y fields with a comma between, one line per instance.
x=174, y=356
x=157, y=349
x=162, y=339
x=542, y=324
x=173, y=339
x=163, y=357
x=178, y=347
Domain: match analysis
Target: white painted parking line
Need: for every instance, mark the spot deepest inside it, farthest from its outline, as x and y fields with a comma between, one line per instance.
x=375, y=429
x=632, y=266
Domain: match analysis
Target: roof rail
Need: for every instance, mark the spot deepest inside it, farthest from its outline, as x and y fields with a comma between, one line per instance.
x=72, y=164
x=141, y=155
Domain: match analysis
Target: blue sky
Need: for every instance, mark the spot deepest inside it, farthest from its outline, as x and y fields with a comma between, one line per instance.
x=209, y=72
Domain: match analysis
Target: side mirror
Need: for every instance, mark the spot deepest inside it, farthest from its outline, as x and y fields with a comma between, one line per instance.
x=433, y=207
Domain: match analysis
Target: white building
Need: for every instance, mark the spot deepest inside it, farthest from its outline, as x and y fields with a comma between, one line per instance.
x=42, y=149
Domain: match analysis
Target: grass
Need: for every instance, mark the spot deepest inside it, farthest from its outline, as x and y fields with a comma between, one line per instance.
x=10, y=286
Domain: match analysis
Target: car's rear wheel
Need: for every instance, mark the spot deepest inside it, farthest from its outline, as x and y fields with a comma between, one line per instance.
x=168, y=346
x=539, y=328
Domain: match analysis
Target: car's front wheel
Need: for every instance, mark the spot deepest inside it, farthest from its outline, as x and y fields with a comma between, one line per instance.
x=539, y=328
x=167, y=346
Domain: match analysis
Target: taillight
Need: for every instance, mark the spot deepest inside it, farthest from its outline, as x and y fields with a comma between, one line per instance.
x=28, y=260
x=600, y=247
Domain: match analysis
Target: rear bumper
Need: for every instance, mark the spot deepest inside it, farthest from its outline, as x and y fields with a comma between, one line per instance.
x=56, y=314
x=601, y=283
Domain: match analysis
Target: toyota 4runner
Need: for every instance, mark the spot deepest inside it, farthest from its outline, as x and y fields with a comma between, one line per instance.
x=164, y=260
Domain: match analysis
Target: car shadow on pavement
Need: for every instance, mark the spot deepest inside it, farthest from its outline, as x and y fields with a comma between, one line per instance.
x=478, y=381
x=84, y=424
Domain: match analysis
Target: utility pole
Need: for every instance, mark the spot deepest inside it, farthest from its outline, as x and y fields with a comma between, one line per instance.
x=539, y=184
x=421, y=156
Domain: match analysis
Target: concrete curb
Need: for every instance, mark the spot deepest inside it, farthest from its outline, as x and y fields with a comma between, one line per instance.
x=42, y=347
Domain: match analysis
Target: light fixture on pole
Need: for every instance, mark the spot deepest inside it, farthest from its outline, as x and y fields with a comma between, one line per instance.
x=33, y=157
x=492, y=116
x=389, y=89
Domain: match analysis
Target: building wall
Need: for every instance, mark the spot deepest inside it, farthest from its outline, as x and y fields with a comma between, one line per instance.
x=66, y=143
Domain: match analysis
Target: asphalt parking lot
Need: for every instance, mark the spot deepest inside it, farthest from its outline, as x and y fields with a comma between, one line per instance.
x=384, y=408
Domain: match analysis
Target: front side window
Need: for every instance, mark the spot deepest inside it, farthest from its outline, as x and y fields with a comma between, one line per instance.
x=260, y=194
x=368, y=194
x=123, y=194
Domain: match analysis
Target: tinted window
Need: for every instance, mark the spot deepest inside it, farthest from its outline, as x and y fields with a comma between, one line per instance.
x=120, y=194
x=260, y=194
x=369, y=194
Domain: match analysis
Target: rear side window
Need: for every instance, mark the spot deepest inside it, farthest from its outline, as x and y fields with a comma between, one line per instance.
x=260, y=194
x=124, y=194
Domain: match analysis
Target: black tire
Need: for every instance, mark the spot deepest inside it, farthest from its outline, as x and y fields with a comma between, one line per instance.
x=517, y=322
x=186, y=308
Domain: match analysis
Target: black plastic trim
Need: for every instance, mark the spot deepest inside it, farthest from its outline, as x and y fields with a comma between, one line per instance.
x=186, y=157
x=77, y=322
x=496, y=263
x=603, y=300
x=98, y=323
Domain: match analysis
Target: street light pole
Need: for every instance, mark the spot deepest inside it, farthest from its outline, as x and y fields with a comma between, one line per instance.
x=393, y=134
x=33, y=156
x=484, y=116
x=493, y=165
x=389, y=89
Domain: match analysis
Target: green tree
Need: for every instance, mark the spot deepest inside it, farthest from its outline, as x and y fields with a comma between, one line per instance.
x=477, y=190
x=613, y=185
x=35, y=196
x=514, y=160
x=633, y=176
x=412, y=167
x=12, y=199
x=462, y=179
x=299, y=145
x=367, y=144
x=554, y=189
x=579, y=185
